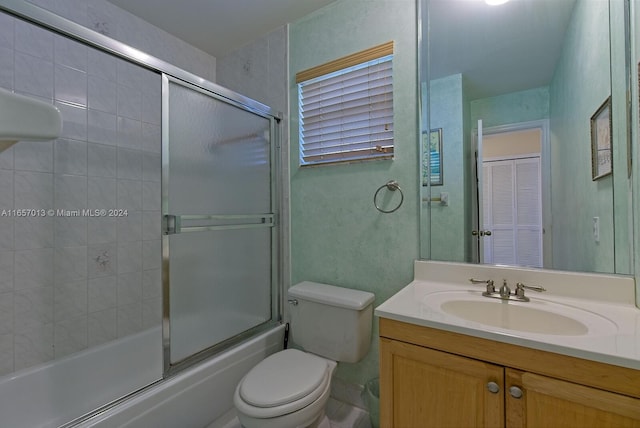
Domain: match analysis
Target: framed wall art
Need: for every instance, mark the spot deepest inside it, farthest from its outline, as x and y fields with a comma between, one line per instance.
x=601, y=154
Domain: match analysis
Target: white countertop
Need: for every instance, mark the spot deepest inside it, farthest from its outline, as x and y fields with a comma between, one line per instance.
x=617, y=343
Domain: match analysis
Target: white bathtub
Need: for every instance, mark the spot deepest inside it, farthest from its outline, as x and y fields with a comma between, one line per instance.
x=53, y=394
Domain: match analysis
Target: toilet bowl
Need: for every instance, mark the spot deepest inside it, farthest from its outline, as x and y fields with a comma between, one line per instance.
x=290, y=388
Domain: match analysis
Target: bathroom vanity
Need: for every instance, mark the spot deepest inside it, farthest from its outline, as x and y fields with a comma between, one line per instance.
x=568, y=358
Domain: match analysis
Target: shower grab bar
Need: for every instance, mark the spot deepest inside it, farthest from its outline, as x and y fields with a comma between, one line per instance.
x=173, y=224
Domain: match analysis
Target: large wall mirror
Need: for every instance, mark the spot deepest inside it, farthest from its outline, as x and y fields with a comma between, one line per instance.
x=514, y=90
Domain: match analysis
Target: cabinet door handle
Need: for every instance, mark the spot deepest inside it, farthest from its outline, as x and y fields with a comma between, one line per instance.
x=515, y=392
x=493, y=387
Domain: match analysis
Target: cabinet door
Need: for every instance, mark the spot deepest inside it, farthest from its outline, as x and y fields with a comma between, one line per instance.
x=548, y=402
x=423, y=388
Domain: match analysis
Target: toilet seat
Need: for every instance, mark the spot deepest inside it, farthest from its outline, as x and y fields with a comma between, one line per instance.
x=301, y=378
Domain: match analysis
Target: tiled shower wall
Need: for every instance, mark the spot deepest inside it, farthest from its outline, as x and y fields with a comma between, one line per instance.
x=110, y=20
x=69, y=283
x=259, y=71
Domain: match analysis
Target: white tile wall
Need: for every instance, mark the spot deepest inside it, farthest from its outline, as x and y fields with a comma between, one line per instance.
x=260, y=70
x=68, y=283
x=110, y=20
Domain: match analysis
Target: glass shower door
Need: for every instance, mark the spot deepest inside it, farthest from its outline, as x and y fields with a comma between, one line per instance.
x=218, y=214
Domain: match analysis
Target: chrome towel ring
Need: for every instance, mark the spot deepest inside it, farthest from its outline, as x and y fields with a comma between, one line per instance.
x=393, y=186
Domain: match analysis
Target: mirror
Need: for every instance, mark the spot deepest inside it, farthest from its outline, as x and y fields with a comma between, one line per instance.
x=513, y=88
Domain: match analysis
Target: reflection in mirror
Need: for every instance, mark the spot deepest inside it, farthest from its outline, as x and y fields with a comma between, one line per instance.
x=432, y=164
x=513, y=89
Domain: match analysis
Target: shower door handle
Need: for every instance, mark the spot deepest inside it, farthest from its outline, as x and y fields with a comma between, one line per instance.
x=173, y=224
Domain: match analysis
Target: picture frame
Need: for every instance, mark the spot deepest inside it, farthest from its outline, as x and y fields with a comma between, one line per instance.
x=601, y=137
x=432, y=158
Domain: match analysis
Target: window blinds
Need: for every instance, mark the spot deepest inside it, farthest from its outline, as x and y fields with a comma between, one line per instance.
x=346, y=114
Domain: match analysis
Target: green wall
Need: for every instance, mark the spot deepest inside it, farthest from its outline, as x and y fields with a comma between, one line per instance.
x=515, y=107
x=337, y=235
x=447, y=235
x=581, y=83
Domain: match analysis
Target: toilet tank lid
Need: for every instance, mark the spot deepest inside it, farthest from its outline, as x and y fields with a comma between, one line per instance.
x=332, y=295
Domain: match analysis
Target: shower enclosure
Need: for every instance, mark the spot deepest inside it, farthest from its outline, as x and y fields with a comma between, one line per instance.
x=219, y=241
x=160, y=243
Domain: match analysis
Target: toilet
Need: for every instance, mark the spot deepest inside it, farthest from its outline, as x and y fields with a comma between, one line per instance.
x=290, y=388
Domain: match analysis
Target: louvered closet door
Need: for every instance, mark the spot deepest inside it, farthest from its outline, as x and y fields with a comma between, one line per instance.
x=512, y=212
x=498, y=208
x=528, y=216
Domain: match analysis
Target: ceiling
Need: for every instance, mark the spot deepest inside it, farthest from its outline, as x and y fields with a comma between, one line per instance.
x=220, y=26
x=499, y=49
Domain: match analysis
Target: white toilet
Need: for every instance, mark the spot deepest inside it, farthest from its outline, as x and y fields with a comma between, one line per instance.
x=290, y=388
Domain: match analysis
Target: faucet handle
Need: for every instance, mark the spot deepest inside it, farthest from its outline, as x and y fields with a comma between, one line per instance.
x=489, y=282
x=480, y=281
x=521, y=286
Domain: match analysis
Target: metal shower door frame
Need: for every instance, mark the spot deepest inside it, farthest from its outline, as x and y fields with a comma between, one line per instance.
x=174, y=224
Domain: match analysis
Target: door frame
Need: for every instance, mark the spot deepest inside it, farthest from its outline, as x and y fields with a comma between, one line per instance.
x=545, y=175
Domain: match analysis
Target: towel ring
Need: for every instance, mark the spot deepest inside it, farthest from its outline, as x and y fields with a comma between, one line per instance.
x=393, y=186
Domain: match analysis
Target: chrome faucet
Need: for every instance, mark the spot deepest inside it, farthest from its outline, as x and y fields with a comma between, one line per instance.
x=505, y=292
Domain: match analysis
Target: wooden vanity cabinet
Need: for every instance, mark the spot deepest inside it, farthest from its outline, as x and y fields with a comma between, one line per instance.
x=430, y=388
x=548, y=402
x=434, y=378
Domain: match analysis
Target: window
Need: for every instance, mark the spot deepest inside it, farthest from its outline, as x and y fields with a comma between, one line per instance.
x=346, y=108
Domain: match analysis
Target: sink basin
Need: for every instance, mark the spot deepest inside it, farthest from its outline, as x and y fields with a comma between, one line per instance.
x=506, y=315
x=539, y=316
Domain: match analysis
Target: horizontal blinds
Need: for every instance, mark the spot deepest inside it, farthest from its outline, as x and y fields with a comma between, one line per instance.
x=347, y=114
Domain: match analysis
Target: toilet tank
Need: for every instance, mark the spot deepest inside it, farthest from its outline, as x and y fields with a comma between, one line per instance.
x=333, y=322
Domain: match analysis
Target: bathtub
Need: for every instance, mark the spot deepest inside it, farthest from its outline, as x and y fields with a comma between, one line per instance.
x=52, y=394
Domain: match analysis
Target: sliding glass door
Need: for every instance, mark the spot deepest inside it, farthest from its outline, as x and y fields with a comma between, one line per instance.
x=218, y=219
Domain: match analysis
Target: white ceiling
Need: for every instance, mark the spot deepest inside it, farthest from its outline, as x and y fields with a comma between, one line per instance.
x=499, y=49
x=220, y=26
